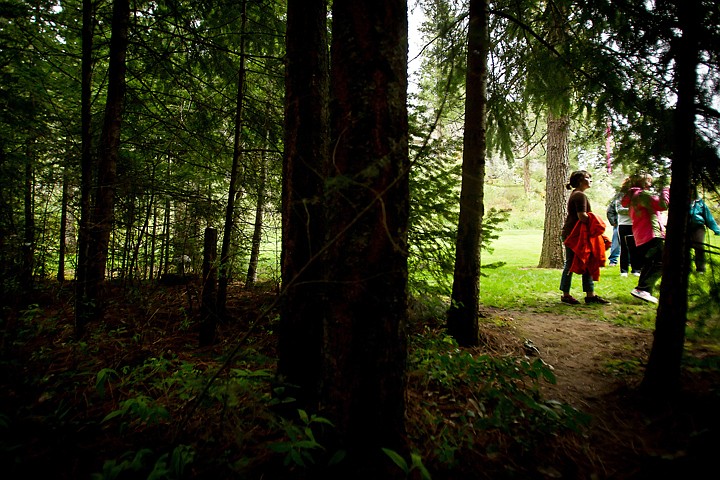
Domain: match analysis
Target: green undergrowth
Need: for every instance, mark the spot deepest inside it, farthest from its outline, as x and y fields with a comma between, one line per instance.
x=482, y=405
x=136, y=398
x=139, y=400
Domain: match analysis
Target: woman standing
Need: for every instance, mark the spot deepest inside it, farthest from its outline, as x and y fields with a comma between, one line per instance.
x=577, y=211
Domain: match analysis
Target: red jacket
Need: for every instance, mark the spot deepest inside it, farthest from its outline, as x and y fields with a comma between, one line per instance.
x=588, y=242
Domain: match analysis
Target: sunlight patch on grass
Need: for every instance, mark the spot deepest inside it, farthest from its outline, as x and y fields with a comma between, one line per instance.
x=520, y=285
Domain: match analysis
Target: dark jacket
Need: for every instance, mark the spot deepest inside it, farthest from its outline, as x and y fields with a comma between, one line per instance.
x=612, y=213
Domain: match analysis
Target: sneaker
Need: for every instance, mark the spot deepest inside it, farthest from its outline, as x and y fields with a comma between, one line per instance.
x=637, y=274
x=613, y=264
x=569, y=299
x=643, y=295
x=623, y=274
x=596, y=299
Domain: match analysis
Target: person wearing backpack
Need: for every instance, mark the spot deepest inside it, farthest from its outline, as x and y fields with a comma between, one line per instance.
x=700, y=217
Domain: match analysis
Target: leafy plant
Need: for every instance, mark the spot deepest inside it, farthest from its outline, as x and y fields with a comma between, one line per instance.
x=170, y=466
x=142, y=407
x=301, y=444
x=415, y=463
x=102, y=380
x=469, y=393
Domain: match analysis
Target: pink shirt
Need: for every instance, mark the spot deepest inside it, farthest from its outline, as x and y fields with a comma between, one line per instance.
x=644, y=211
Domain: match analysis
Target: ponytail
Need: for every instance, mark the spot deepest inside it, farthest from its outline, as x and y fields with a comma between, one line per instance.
x=576, y=179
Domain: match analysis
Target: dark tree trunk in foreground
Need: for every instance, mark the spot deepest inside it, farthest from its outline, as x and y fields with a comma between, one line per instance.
x=208, y=313
x=662, y=375
x=102, y=212
x=557, y=172
x=303, y=225
x=366, y=257
x=463, y=314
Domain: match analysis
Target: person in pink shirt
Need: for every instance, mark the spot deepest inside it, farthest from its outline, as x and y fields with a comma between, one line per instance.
x=648, y=230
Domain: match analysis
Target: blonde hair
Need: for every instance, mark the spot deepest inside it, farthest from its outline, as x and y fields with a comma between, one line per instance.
x=639, y=180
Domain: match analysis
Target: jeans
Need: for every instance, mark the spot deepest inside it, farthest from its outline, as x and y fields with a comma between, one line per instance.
x=615, y=247
x=652, y=253
x=566, y=278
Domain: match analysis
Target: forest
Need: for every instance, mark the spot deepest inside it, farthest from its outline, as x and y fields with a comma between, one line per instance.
x=268, y=239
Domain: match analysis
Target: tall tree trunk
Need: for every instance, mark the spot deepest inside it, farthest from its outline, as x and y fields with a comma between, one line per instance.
x=126, y=266
x=62, y=246
x=237, y=153
x=557, y=162
x=462, y=321
x=257, y=227
x=81, y=291
x=103, y=210
x=143, y=232
x=526, y=173
x=367, y=213
x=662, y=375
x=208, y=323
x=28, y=248
x=557, y=171
x=303, y=224
x=165, y=256
x=153, y=244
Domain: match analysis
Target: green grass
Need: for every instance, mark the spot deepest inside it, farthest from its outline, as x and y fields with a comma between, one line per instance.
x=518, y=248
x=520, y=285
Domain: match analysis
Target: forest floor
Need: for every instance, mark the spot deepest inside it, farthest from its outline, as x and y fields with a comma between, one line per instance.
x=598, y=368
x=50, y=407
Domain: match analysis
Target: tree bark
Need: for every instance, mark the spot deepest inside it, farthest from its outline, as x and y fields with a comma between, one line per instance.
x=62, y=245
x=662, y=375
x=166, y=232
x=237, y=154
x=86, y=167
x=153, y=244
x=143, y=231
x=557, y=171
x=126, y=259
x=526, y=174
x=28, y=247
x=463, y=314
x=208, y=322
x=303, y=225
x=102, y=212
x=366, y=257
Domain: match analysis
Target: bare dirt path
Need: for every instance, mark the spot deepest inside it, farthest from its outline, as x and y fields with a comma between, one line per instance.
x=598, y=366
x=586, y=354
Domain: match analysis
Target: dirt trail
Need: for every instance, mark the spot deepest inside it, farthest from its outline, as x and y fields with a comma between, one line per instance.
x=598, y=367
x=582, y=352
